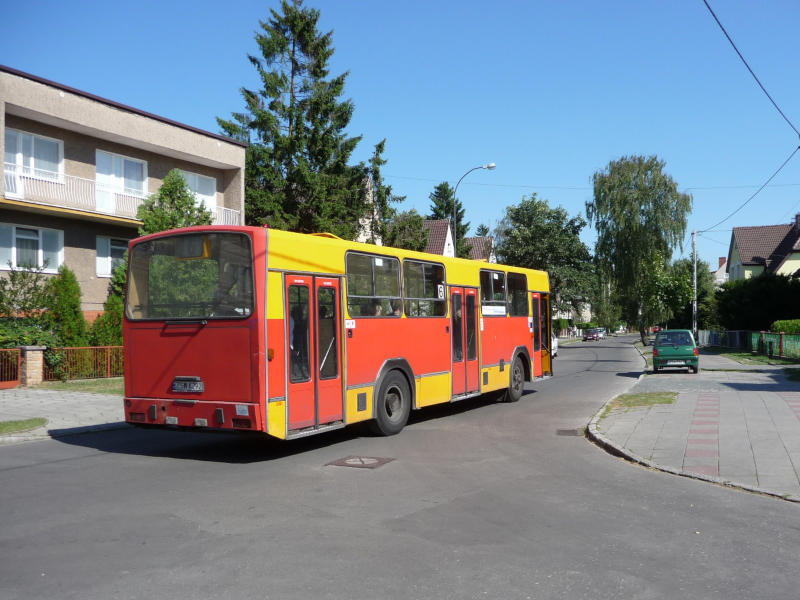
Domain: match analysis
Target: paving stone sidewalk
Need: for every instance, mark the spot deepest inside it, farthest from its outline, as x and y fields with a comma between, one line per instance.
x=732, y=424
x=67, y=413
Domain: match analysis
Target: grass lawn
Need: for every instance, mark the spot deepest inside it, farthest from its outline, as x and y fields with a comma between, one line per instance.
x=111, y=385
x=748, y=358
x=18, y=426
x=627, y=401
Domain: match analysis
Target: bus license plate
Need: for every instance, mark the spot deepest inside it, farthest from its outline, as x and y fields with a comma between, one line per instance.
x=183, y=386
x=675, y=362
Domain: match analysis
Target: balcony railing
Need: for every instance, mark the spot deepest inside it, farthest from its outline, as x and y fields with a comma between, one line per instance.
x=67, y=191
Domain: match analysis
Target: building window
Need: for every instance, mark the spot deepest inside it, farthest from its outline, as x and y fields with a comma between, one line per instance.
x=204, y=189
x=118, y=175
x=31, y=247
x=33, y=155
x=110, y=254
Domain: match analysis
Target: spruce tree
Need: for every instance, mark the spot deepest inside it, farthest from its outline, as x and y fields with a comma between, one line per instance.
x=442, y=199
x=171, y=207
x=297, y=176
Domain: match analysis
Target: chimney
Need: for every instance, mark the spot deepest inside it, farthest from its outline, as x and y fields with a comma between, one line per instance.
x=797, y=222
x=722, y=261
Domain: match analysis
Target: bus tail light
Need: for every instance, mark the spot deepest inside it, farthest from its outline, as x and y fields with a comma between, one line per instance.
x=655, y=351
x=695, y=352
x=270, y=353
x=242, y=423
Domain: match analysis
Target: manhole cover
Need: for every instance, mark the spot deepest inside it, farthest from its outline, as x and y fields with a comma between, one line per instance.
x=360, y=462
x=571, y=432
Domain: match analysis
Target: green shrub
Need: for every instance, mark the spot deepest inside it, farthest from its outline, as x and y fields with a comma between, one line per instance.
x=64, y=314
x=786, y=326
x=26, y=332
x=107, y=329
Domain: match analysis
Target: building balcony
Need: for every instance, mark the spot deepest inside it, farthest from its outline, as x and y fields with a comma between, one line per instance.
x=48, y=188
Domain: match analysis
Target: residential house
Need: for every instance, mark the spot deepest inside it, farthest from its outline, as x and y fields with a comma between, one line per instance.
x=76, y=167
x=481, y=248
x=440, y=237
x=721, y=274
x=768, y=248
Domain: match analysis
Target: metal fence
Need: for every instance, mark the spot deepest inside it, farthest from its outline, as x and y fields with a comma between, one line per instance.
x=760, y=342
x=10, y=362
x=84, y=363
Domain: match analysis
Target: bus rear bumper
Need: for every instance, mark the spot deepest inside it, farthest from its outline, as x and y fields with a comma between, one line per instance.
x=197, y=414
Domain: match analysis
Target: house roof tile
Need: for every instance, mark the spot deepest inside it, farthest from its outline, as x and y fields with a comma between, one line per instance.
x=766, y=245
x=480, y=247
x=437, y=234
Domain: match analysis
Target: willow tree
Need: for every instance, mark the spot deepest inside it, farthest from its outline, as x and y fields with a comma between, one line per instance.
x=297, y=175
x=640, y=216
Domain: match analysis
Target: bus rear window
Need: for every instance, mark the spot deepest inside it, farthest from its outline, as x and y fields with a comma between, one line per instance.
x=191, y=276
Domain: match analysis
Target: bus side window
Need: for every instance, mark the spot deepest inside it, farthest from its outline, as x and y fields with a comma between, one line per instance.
x=493, y=293
x=424, y=289
x=373, y=285
x=299, y=359
x=518, y=294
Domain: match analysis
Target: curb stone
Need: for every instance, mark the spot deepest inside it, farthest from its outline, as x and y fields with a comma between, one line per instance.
x=606, y=444
x=32, y=436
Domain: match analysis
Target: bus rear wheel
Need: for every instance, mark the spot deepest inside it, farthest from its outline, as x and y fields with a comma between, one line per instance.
x=517, y=384
x=393, y=405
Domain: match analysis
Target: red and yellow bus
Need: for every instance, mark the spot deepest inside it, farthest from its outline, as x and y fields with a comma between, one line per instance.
x=255, y=329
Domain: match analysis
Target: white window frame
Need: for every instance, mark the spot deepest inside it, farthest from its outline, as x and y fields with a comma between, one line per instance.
x=192, y=180
x=8, y=231
x=117, y=184
x=103, y=262
x=29, y=170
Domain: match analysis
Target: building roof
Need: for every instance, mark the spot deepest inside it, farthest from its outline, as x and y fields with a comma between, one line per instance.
x=767, y=245
x=118, y=105
x=437, y=234
x=480, y=247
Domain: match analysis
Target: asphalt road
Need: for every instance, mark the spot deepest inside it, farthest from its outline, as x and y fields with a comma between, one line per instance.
x=481, y=500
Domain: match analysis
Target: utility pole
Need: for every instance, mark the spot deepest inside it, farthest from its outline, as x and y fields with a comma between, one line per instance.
x=694, y=284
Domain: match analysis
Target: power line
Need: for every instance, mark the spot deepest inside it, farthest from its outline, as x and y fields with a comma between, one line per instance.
x=785, y=118
x=771, y=177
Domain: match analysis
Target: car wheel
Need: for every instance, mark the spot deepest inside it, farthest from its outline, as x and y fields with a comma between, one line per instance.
x=393, y=405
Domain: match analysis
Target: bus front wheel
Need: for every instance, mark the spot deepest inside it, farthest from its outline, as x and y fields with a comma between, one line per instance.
x=517, y=384
x=393, y=405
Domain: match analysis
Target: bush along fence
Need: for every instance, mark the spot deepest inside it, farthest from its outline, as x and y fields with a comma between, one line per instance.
x=31, y=365
x=779, y=344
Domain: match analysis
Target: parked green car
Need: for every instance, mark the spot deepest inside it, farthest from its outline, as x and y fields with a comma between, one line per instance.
x=675, y=348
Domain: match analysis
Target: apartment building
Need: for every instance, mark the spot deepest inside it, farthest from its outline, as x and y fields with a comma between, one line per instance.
x=76, y=167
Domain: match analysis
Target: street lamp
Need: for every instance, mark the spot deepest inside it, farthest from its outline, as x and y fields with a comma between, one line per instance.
x=490, y=167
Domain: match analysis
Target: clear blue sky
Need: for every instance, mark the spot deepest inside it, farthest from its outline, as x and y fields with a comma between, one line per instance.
x=550, y=91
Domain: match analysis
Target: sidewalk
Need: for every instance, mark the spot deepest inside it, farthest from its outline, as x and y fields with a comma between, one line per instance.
x=67, y=413
x=732, y=424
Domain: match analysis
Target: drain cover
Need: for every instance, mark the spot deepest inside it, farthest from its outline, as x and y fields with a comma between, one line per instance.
x=572, y=432
x=360, y=462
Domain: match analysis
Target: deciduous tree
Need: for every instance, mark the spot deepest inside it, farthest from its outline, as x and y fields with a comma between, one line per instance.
x=639, y=214
x=536, y=236
x=174, y=205
x=406, y=231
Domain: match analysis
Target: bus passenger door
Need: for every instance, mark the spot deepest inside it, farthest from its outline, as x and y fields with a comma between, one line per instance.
x=313, y=349
x=471, y=340
x=464, y=336
x=328, y=360
x=299, y=336
x=536, y=334
x=457, y=338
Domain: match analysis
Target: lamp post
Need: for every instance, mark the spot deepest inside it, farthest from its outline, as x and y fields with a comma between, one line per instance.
x=490, y=167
